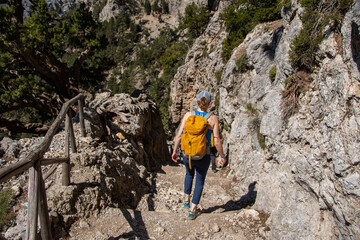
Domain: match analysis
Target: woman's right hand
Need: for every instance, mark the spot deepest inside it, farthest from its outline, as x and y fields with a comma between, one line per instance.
x=223, y=161
x=175, y=156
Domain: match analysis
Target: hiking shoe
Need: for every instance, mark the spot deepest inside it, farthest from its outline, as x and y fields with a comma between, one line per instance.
x=186, y=204
x=192, y=215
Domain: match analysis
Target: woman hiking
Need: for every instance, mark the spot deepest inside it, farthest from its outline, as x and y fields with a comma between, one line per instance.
x=198, y=166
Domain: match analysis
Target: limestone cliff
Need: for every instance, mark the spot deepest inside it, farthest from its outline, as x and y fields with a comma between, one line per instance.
x=307, y=172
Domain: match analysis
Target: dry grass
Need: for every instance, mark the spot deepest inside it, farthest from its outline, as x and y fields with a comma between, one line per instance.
x=295, y=85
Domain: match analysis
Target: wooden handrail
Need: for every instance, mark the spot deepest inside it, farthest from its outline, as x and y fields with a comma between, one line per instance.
x=37, y=203
x=30, y=160
x=49, y=161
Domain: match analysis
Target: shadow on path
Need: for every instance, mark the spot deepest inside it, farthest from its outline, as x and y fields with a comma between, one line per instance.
x=247, y=200
x=136, y=223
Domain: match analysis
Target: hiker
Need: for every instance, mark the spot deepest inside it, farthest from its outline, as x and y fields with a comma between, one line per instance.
x=193, y=165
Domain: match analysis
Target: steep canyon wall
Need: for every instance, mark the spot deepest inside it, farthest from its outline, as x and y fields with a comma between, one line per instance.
x=307, y=173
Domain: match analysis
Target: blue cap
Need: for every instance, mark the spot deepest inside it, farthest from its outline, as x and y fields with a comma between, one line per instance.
x=204, y=94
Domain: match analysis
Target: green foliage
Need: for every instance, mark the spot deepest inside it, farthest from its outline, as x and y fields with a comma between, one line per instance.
x=242, y=16
x=44, y=56
x=173, y=57
x=196, y=19
x=126, y=85
x=155, y=7
x=306, y=44
x=243, y=64
x=147, y=7
x=6, y=216
x=287, y=4
x=256, y=125
x=261, y=139
x=165, y=6
x=218, y=76
x=272, y=73
x=250, y=108
x=226, y=127
x=217, y=100
x=98, y=7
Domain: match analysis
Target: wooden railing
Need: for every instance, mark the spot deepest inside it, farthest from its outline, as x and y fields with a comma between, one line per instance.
x=37, y=203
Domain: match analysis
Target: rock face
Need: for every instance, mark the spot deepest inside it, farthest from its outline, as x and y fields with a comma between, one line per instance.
x=307, y=170
x=113, y=164
x=202, y=65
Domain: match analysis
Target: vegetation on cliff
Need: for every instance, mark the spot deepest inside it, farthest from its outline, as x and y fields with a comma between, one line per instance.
x=242, y=16
x=318, y=16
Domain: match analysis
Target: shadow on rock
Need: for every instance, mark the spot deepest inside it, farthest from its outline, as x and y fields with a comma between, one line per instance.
x=247, y=200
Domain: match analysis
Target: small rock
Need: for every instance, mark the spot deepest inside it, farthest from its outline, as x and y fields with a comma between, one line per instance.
x=215, y=228
x=84, y=224
x=159, y=229
x=17, y=190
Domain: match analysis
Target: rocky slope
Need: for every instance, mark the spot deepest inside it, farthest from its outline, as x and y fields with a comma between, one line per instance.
x=307, y=173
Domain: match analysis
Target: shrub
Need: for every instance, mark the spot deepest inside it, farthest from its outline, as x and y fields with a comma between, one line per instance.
x=295, y=85
x=147, y=7
x=256, y=125
x=226, y=127
x=6, y=216
x=196, y=19
x=242, y=16
x=272, y=73
x=218, y=76
x=243, y=64
x=317, y=15
x=287, y=4
x=261, y=139
x=250, y=108
x=217, y=100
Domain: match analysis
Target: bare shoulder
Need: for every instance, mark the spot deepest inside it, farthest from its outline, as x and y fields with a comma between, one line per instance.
x=187, y=115
x=213, y=120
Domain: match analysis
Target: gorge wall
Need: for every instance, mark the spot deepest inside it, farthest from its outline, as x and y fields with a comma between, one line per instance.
x=307, y=171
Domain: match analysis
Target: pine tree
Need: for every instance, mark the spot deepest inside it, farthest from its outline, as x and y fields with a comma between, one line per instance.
x=44, y=59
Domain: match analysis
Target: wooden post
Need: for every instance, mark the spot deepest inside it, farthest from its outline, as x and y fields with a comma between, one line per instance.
x=65, y=165
x=33, y=196
x=72, y=135
x=81, y=117
x=43, y=207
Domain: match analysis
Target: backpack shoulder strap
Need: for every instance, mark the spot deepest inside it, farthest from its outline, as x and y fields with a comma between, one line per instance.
x=207, y=116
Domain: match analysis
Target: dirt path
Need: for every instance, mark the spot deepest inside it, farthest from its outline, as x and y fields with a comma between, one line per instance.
x=160, y=215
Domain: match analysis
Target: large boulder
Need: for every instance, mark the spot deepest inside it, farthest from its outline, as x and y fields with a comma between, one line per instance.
x=113, y=165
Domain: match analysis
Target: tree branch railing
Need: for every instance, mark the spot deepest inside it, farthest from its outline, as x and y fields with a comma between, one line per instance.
x=37, y=203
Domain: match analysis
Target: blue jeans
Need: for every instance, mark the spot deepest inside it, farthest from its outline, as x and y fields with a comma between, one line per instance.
x=200, y=167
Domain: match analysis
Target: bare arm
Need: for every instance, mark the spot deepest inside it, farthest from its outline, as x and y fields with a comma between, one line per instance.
x=177, y=138
x=217, y=139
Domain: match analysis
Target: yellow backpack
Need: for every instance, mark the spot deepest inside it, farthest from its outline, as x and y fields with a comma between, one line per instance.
x=193, y=139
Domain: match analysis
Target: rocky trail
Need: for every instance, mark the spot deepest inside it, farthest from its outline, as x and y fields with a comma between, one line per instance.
x=224, y=213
